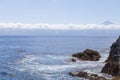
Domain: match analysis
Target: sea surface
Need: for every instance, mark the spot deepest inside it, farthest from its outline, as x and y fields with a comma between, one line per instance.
x=48, y=57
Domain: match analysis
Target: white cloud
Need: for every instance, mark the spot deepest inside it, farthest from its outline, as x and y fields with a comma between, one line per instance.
x=58, y=26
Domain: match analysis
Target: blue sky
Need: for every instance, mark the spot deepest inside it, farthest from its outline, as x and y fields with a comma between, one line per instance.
x=60, y=11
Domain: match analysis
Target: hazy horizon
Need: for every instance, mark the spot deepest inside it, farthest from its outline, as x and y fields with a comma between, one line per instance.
x=59, y=17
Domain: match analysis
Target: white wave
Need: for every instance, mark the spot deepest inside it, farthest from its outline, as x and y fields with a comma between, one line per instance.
x=44, y=63
x=104, y=54
x=51, y=65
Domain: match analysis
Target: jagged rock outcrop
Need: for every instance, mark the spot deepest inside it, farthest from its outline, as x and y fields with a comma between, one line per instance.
x=87, y=76
x=112, y=66
x=88, y=54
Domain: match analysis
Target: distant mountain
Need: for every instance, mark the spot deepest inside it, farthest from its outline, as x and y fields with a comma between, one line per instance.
x=107, y=23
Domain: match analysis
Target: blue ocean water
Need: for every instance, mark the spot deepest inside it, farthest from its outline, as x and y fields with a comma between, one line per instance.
x=47, y=57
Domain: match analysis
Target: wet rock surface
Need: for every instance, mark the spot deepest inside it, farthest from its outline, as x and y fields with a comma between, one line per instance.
x=86, y=75
x=88, y=54
x=112, y=66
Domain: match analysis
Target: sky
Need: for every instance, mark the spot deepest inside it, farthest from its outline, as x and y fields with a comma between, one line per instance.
x=59, y=11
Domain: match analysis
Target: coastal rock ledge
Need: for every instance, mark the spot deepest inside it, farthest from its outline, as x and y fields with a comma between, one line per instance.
x=112, y=66
x=88, y=54
x=87, y=76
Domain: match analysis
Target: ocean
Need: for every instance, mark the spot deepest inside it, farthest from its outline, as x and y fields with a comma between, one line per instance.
x=47, y=57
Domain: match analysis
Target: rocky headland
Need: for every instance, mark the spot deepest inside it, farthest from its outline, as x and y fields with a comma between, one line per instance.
x=111, y=67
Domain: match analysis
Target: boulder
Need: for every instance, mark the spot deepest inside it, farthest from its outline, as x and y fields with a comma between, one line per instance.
x=86, y=75
x=112, y=66
x=88, y=54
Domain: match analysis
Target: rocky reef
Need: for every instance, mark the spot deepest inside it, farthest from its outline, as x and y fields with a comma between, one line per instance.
x=87, y=76
x=112, y=66
x=87, y=54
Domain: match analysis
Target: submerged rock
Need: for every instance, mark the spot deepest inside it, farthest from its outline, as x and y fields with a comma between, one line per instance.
x=21, y=50
x=71, y=60
x=88, y=54
x=87, y=75
x=112, y=66
x=3, y=73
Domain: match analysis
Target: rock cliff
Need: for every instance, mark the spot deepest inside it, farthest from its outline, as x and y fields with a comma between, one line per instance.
x=112, y=66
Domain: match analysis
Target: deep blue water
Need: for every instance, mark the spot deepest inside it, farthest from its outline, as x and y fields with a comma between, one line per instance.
x=47, y=58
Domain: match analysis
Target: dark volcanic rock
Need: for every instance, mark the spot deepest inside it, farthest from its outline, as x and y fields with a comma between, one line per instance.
x=87, y=55
x=87, y=75
x=112, y=65
x=73, y=60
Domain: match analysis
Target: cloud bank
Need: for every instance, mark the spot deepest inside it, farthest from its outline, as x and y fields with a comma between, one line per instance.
x=57, y=26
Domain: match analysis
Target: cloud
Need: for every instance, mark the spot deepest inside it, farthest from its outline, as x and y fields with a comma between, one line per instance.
x=58, y=26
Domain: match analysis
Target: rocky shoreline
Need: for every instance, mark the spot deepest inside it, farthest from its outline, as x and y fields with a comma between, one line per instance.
x=86, y=75
x=112, y=66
